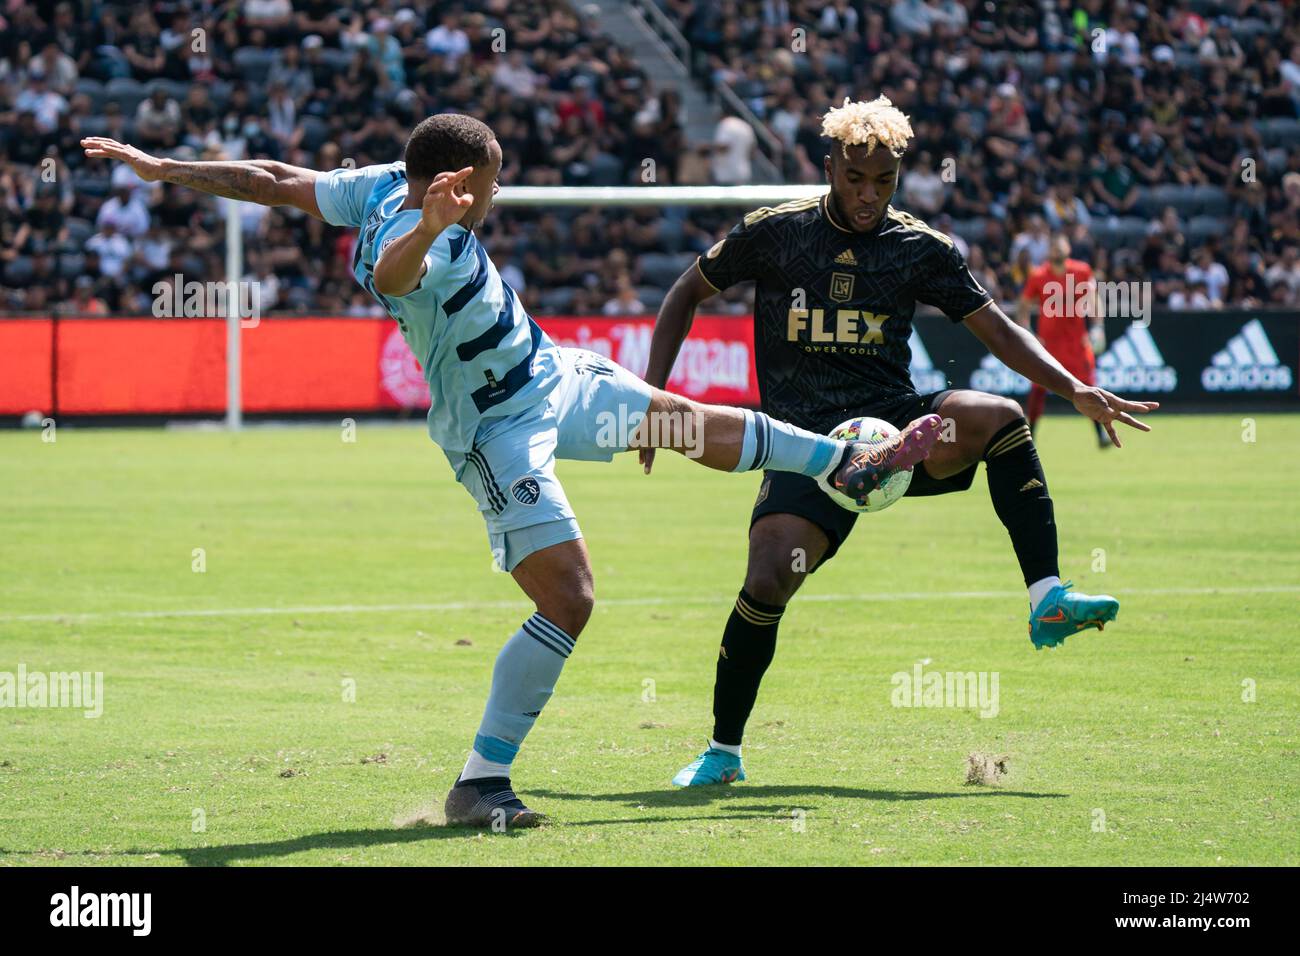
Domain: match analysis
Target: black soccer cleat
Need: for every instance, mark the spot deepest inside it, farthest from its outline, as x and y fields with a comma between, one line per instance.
x=867, y=464
x=489, y=803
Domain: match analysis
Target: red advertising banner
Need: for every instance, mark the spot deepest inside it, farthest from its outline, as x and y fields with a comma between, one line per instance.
x=140, y=366
x=716, y=363
x=26, y=366
x=316, y=364
x=167, y=366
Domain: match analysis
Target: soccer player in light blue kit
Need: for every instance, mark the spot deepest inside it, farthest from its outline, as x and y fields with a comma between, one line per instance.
x=506, y=401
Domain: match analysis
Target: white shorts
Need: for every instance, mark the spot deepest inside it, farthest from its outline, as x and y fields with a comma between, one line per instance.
x=590, y=415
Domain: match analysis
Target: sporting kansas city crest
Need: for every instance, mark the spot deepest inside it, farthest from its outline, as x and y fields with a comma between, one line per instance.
x=526, y=490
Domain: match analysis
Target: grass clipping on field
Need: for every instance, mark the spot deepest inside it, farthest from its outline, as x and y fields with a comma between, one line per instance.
x=986, y=770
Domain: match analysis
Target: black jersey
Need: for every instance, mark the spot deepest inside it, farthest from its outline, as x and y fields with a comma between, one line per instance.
x=833, y=308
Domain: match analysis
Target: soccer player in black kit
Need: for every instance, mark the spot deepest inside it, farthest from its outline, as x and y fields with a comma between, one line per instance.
x=838, y=279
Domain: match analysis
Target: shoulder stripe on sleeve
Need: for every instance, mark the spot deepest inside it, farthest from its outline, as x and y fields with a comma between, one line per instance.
x=457, y=244
x=794, y=205
x=908, y=221
x=703, y=276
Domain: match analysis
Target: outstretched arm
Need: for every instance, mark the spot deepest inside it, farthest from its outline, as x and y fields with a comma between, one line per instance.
x=671, y=328
x=674, y=323
x=1019, y=350
x=262, y=181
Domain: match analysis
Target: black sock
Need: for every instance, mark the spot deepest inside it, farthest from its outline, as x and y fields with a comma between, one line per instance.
x=748, y=644
x=1018, y=488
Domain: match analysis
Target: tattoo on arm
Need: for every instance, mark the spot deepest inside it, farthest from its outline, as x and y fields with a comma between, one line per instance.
x=251, y=181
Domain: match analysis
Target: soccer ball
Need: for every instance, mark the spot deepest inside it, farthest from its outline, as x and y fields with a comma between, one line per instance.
x=893, y=487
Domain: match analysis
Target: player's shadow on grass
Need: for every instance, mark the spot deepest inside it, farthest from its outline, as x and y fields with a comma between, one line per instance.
x=702, y=796
x=361, y=839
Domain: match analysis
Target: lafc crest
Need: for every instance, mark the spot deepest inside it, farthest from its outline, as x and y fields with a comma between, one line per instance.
x=841, y=287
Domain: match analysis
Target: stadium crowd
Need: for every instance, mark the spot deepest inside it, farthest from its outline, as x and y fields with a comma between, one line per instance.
x=1163, y=137
x=1167, y=148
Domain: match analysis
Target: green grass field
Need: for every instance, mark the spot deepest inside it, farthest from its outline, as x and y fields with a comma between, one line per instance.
x=225, y=709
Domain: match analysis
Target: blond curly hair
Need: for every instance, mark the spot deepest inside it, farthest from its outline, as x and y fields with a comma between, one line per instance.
x=877, y=123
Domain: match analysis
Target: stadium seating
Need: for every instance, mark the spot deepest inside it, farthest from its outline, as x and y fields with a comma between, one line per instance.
x=342, y=98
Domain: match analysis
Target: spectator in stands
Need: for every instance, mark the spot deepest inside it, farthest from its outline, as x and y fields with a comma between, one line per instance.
x=1063, y=208
x=1113, y=187
x=113, y=249
x=1205, y=271
x=922, y=187
x=1146, y=151
x=911, y=17
x=1247, y=287
x=1217, y=152
x=1033, y=241
x=838, y=18
x=57, y=68
x=1283, y=276
x=158, y=121
x=125, y=211
x=386, y=51
x=271, y=16
x=84, y=300
x=1221, y=49
x=733, y=148
x=448, y=40
x=582, y=105
x=949, y=16
x=143, y=47
x=44, y=104
x=624, y=301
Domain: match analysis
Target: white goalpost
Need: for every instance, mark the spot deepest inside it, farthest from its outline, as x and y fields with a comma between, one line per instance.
x=625, y=196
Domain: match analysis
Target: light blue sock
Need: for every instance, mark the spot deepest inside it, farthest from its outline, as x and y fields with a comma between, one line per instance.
x=522, y=682
x=780, y=446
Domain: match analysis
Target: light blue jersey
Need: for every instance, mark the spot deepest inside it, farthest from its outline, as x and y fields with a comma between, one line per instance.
x=482, y=354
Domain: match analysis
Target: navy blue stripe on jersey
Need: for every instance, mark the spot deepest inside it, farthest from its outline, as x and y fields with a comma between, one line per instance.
x=457, y=244
x=767, y=439
x=760, y=442
x=471, y=288
x=492, y=479
x=548, y=628
x=369, y=283
x=515, y=379
x=357, y=250
x=467, y=351
x=543, y=639
x=492, y=502
x=496, y=498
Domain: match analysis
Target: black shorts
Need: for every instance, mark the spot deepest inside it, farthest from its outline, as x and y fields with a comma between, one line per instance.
x=784, y=492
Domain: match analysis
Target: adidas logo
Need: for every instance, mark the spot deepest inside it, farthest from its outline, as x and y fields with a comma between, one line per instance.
x=993, y=376
x=1031, y=484
x=925, y=377
x=1247, y=364
x=1133, y=363
x=845, y=258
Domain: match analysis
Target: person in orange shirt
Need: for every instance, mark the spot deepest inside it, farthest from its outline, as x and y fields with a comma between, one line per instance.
x=1069, y=322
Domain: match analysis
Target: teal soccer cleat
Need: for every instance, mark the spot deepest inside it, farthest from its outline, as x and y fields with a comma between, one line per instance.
x=712, y=766
x=1063, y=613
